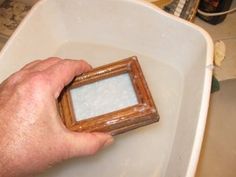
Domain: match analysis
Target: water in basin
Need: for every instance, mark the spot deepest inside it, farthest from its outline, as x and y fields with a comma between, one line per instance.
x=143, y=152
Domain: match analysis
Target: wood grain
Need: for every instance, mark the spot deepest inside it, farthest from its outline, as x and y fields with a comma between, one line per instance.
x=119, y=121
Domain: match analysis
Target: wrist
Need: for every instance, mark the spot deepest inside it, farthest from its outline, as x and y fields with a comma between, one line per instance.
x=6, y=164
x=11, y=162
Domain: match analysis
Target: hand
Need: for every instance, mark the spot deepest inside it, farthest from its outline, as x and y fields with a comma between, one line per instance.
x=32, y=136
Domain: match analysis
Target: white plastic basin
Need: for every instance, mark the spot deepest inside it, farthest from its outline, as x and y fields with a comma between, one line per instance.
x=175, y=56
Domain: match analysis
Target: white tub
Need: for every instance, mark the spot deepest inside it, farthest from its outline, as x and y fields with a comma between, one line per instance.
x=176, y=58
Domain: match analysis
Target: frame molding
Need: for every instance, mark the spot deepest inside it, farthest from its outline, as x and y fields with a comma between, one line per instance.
x=115, y=122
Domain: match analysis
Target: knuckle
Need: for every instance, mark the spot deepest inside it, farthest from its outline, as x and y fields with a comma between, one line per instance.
x=67, y=62
x=53, y=59
x=75, y=63
x=36, y=78
x=35, y=81
x=32, y=86
x=82, y=61
x=27, y=66
x=85, y=65
x=16, y=78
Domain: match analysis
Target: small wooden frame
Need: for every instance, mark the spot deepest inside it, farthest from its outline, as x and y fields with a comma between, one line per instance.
x=118, y=121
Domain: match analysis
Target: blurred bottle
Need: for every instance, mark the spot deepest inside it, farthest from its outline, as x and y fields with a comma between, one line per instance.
x=213, y=6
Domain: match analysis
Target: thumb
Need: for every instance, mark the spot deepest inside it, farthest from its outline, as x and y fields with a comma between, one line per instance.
x=81, y=144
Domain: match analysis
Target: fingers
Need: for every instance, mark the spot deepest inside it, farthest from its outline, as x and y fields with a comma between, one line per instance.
x=62, y=73
x=40, y=65
x=31, y=64
x=81, y=144
x=59, y=71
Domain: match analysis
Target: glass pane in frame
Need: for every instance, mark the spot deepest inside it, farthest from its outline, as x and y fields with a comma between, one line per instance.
x=103, y=96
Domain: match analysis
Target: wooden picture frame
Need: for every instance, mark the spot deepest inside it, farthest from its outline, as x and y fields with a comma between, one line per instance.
x=119, y=121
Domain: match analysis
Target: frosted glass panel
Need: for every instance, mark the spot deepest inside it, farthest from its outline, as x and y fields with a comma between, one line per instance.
x=103, y=96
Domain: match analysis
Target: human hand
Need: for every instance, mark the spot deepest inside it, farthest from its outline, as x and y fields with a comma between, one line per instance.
x=32, y=136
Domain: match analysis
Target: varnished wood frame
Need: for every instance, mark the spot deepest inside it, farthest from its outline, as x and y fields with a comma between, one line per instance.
x=116, y=122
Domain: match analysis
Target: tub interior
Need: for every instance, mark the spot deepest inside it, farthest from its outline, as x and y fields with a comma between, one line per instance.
x=173, y=63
